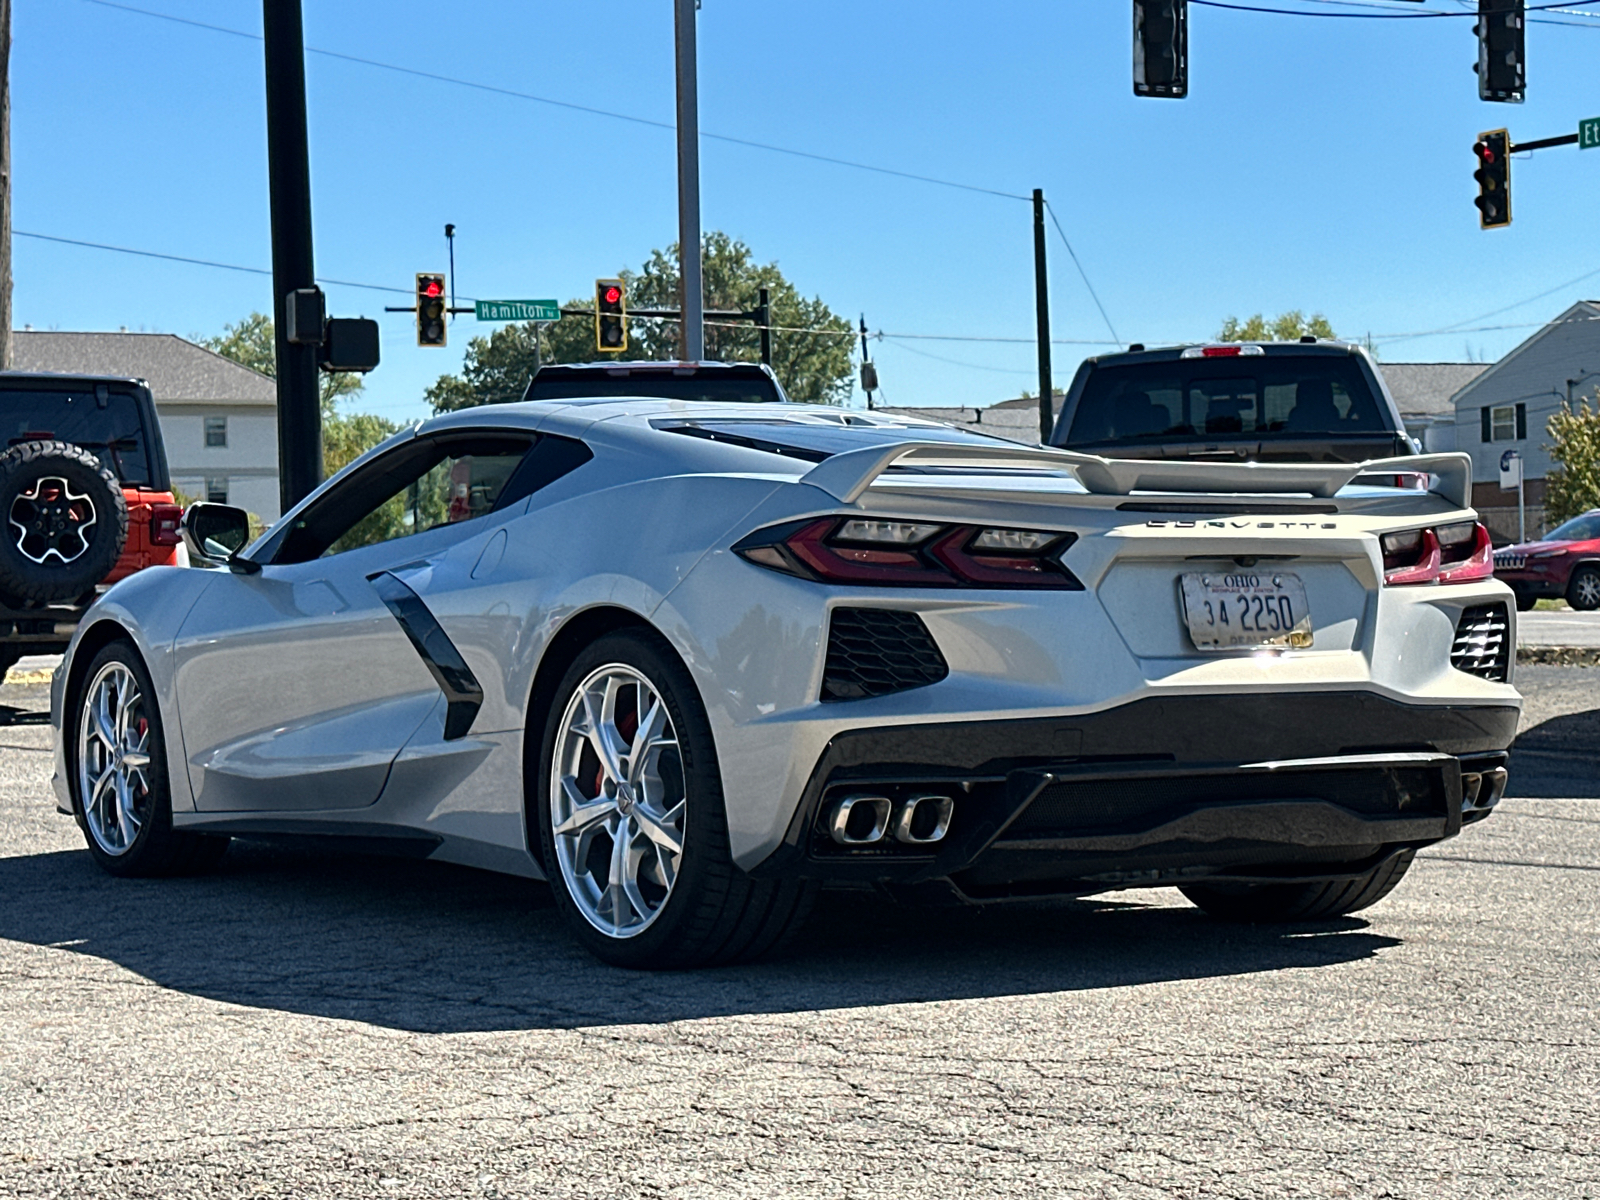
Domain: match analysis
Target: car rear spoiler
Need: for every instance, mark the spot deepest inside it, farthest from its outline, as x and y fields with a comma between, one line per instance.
x=846, y=476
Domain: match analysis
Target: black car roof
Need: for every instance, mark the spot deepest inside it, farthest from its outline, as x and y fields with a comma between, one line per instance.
x=647, y=367
x=10, y=379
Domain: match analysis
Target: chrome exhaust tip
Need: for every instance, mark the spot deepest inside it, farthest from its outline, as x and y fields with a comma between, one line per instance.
x=923, y=820
x=860, y=820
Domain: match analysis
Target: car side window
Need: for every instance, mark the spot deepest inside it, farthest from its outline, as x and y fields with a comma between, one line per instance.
x=464, y=483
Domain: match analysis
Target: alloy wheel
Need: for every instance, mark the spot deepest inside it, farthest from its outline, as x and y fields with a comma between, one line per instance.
x=1586, y=590
x=617, y=801
x=49, y=520
x=114, y=784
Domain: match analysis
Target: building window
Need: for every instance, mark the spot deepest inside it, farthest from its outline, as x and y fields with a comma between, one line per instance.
x=217, y=490
x=216, y=431
x=1505, y=423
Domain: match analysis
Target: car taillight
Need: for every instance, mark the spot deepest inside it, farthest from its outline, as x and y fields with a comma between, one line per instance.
x=1459, y=553
x=165, y=520
x=881, y=553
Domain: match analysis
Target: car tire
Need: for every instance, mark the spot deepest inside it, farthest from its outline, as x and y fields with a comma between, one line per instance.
x=1583, y=589
x=63, y=522
x=686, y=908
x=1270, y=903
x=1525, y=599
x=124, y=751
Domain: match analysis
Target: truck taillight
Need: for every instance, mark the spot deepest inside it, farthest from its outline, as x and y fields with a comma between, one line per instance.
x=164, y=524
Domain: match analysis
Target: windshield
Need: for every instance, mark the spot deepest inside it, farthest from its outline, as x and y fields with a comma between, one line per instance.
x=112, y=431
x=1579, y=529
x=1267, y=398
x=661, y=386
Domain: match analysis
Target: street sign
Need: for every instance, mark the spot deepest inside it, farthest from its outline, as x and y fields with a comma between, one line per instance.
x=1589, y=134
x=517, y=310
x=1510, y=471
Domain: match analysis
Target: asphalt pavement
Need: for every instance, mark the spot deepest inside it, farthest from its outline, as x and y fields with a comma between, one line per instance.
x=303, y=1025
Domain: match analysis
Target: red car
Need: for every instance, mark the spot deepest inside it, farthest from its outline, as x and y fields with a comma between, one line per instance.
x=1566, y=563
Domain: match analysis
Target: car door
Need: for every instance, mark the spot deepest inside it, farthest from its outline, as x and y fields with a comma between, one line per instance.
x=298, y=684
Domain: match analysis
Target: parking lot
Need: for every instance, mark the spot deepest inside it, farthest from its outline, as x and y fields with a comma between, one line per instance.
x=317, y=1026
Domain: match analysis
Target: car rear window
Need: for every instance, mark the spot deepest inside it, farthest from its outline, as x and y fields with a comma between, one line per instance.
x=661, y=386
x=110, y=429
x=1257, y=398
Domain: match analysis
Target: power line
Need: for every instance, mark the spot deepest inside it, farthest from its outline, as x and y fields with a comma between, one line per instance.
x=567, y=104
x=201, y=262
x=1373, y=16
x=1081, y=272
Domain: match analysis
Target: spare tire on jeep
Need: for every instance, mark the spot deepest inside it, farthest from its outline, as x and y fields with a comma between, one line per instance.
x=63, y=521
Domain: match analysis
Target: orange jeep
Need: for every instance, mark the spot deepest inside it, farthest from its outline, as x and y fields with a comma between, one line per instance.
x=85, y=500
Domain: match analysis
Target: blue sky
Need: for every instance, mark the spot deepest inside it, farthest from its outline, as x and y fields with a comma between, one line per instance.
x=1321, y=164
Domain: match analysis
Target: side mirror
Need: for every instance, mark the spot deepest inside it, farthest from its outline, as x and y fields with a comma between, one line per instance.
x=215, y=533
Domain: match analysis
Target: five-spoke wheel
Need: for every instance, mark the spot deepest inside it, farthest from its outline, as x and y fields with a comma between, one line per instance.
x=617, y=800
x=631, y=820
x=114, y=759
x=118, y=772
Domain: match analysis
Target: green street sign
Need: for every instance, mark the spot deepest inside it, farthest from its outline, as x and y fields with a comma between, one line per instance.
x=517, y=310
x=1589, y=134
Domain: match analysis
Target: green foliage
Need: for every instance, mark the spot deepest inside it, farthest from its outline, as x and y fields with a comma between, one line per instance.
x=1574, y=486
x=1286, y=327
x=813, y=367
x=345, y=436
x=250, y=343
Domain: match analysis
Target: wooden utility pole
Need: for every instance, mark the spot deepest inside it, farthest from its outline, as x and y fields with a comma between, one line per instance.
x=5, y=185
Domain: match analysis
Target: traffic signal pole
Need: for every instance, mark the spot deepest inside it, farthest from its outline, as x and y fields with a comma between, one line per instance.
x=289, y=184
x=692, y=340
x=1041, y=302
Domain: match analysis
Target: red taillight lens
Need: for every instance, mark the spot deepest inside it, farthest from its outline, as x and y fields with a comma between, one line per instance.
x=1467, y=556
x=1459, y=553
x=165, y=522
x=1221, y=351
x=872, y=552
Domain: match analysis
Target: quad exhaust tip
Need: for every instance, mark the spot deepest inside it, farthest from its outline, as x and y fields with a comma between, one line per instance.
x=862, y=820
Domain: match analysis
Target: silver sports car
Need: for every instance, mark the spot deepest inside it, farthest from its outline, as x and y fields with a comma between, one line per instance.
x=690, y=661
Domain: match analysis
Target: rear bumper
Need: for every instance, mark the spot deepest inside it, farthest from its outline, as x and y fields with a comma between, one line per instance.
x=1301, y=785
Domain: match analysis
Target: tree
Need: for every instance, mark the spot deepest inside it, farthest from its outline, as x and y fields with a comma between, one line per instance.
x=250, y=343
x=813, y=366
x=1574, y=486
x=1286, y=327
x=345, y=436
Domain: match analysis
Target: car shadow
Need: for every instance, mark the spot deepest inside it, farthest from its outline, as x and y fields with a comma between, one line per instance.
x=1556, y=758
x=435, y=948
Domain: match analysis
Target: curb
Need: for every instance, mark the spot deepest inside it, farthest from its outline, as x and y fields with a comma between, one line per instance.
x=1558, y=656
x=15, y=677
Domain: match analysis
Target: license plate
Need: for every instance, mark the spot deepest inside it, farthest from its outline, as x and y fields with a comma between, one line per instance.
x=1247, y=609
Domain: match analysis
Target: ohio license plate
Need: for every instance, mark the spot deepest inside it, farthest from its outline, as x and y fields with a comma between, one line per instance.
x=1246, y=609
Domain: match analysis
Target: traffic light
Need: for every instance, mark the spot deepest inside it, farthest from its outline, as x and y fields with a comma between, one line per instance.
x=610, y=315
x=1493, y=152
x=1502, y=65
x=430, y=310
x=1161, y=48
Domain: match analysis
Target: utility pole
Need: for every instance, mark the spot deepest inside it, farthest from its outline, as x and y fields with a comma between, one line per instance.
x=5, y=185
x=289, y=184
x=692, y=335
x=869, y=373
x=764, y=316
x=1041, y=300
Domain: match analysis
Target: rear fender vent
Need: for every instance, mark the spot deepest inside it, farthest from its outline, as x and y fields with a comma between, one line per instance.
x=1483, y=642
x=878, y=651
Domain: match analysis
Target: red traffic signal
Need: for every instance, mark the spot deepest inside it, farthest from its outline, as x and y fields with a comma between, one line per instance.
x=610, y=316
x=1493, y=152
x=430, y=310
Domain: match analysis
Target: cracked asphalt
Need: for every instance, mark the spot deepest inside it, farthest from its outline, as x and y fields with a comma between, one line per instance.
x=305, y=1025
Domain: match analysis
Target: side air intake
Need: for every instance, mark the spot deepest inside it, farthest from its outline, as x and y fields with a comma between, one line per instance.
x=1483, y=642
x=878, y=651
